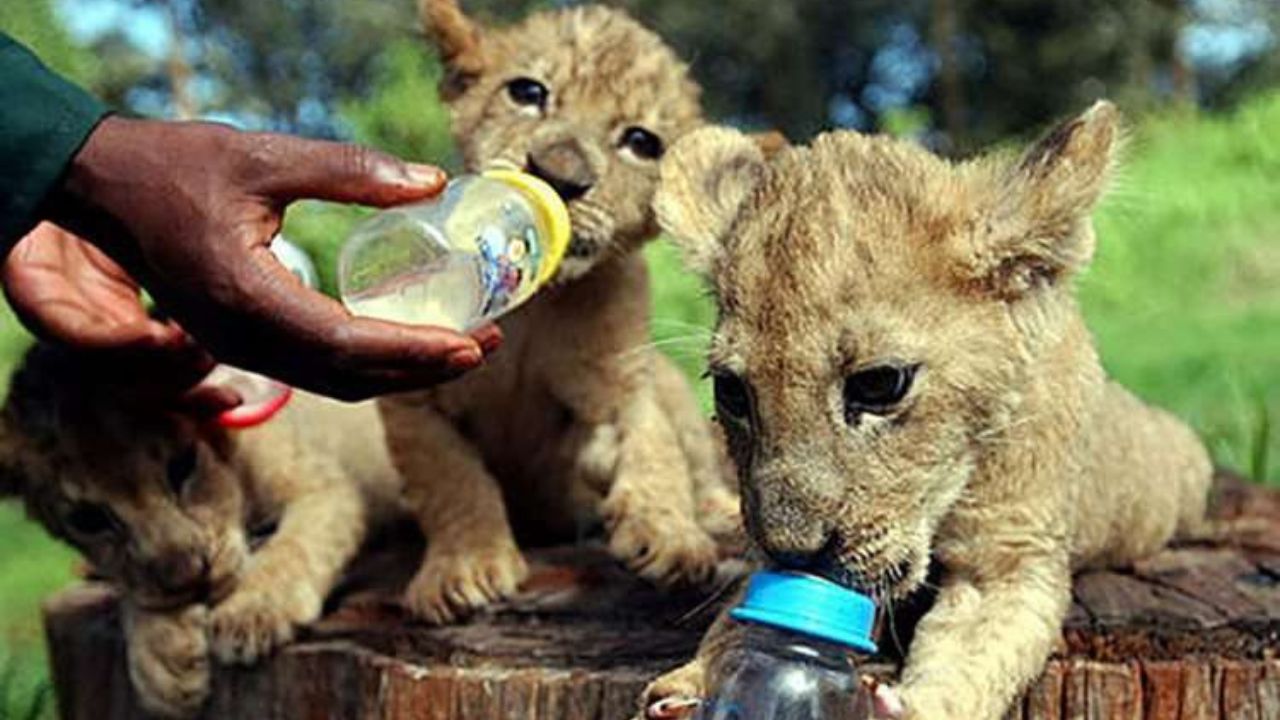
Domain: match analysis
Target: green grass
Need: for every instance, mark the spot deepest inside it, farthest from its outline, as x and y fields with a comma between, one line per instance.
x=1184, y=298
x=32, y=566
x=1185, y=294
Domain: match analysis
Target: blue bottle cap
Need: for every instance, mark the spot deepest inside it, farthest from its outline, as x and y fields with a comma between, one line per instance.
x=809, y=605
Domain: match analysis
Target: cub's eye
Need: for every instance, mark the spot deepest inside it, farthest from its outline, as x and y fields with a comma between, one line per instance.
x=733, y=399
x=180, y=469
x=876, y=389
x=88, y=520
x=527, y=91
x=642, y=143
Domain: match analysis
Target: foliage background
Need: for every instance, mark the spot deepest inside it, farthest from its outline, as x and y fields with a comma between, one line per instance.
x=1184, y=296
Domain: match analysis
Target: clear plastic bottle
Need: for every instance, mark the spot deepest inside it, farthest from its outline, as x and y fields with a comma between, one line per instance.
x=480, y=249
x=797, y=655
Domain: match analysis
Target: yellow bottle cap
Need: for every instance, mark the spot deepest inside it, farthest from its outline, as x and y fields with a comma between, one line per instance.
x=552, y=210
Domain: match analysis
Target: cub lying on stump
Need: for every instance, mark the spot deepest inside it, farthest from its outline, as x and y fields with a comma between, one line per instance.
x=164, y=505
x=904, y=374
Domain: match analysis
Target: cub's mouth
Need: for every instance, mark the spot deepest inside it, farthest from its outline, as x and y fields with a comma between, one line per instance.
x=884, y=575
x=885, y=578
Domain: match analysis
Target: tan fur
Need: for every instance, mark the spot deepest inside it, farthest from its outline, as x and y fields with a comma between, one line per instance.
x=575, y=421
x=72, y=442
x=1012, y=460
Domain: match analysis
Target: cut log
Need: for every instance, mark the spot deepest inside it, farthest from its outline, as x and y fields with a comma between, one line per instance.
x=1191, y=633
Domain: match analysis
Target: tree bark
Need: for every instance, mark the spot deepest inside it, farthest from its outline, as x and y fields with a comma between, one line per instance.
x=1191, y=633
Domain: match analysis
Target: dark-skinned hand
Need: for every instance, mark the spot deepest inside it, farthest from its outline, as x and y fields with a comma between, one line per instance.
x=189, y=209
x=67, y=291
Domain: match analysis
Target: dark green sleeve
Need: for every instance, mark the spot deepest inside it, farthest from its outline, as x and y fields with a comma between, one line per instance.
x=44, y=119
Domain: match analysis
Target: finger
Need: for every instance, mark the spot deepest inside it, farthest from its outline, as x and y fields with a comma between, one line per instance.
x=279, y=327
x=291, y=168
x=489, y=337
x=205, y=402
x=61, y=321
x=672, y=708
x=168, y=372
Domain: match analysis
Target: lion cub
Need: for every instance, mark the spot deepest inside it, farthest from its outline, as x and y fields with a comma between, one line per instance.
x=575, y=420
x=164, y=507
x=904, y=374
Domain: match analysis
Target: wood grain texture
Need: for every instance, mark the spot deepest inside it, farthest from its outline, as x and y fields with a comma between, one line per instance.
x=1190, y=634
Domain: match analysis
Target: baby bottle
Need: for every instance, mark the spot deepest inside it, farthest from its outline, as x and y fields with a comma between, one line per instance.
x=475, y=252
x=797, y=655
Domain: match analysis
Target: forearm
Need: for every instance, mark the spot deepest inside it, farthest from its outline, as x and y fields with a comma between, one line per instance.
x=44, y=120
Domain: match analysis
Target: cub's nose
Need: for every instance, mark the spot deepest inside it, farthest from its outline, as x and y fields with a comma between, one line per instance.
x=180, y=572
x=564, y=165
x=800, y=551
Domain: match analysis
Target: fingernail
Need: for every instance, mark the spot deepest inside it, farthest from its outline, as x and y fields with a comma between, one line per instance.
x=672, y=708
x=463, y=359
x=490, y=338
x=427, y=175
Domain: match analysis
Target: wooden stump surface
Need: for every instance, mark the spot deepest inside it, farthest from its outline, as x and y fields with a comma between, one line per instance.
x=1192, y=633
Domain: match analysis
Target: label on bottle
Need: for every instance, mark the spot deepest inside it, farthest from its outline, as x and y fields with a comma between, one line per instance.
x=509, y=255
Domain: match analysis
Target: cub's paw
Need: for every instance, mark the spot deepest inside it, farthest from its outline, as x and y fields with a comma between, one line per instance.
x=661, y=546
x=676, y=695
x=452, y=585
x=258, y=618
x=169, y=661
x=720, y=514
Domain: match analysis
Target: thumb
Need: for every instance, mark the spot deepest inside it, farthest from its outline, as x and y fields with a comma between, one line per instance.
x=289, y=168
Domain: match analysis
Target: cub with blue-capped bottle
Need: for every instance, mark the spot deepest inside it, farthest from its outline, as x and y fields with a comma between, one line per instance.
x=905, y=377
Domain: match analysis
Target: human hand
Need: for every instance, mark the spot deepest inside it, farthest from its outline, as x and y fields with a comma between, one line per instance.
x=190, y=209
x=67, y=291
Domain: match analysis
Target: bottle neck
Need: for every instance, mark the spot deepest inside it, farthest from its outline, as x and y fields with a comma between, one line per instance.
x=790, y=645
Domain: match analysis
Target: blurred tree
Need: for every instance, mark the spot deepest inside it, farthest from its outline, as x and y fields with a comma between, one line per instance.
x=774, y=64
x=981, y=70
x=984, y=69
x=1037, y=60
x=1234, y=46
x=33, y=23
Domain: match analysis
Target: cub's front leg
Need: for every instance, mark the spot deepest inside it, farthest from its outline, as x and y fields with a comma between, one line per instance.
x=472, y=558
x=650, y=509
x=322, y=524
x=988, y=634
x=168, y=657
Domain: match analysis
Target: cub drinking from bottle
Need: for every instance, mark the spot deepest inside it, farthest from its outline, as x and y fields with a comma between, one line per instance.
x=904, y=375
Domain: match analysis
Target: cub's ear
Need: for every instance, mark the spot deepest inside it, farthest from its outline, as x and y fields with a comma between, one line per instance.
x=704, y=180
x=1037, y=228
x=459, y=42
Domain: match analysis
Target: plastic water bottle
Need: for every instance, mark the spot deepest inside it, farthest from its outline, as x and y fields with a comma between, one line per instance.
x=478, y=250
x=798, y=654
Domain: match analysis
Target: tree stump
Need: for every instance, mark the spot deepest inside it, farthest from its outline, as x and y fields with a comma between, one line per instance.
x=1189, y=634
